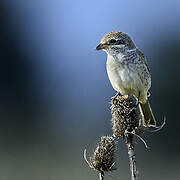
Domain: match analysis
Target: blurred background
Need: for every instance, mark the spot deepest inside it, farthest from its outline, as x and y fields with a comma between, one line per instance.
x=55, y=93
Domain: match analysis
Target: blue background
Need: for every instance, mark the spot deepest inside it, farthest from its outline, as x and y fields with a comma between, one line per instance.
x=55, y=92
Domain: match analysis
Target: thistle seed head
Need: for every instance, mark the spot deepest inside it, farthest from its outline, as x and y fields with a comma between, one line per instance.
x=125, y=116
x=104, y=155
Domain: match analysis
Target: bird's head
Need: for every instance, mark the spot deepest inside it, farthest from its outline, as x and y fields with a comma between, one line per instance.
x=116, y=42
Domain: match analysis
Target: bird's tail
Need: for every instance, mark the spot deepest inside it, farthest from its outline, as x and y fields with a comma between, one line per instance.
x=147, y=115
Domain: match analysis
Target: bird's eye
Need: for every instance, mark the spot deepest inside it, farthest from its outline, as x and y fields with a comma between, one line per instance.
x=121, y=42
x=112, y=41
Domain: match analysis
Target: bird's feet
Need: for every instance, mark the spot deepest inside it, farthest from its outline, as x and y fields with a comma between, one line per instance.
x=125, y=96
x=116, y=97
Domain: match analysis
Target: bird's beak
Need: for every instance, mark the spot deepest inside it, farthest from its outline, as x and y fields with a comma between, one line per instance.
x=101, y=46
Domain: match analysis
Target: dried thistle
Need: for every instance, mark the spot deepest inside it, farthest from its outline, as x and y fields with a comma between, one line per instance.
x=103, y=157
x=125, y=116
x=126, y=123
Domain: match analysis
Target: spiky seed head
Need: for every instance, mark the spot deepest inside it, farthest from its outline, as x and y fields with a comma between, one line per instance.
x=104, y=155
x=125, y=116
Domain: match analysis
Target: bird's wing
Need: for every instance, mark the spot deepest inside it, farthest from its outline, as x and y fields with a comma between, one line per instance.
x=143, y=70
x=143, y=58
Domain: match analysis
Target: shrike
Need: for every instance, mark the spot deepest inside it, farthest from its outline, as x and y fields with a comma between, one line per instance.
x=128, y=71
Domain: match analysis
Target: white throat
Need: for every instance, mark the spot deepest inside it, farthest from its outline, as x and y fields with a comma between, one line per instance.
x=120, y=56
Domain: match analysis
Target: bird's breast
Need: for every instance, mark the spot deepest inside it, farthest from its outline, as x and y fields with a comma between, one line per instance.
x=122, y=76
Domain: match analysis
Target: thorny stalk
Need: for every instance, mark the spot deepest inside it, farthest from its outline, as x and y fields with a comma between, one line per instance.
x=101, y=175
x=131, y=154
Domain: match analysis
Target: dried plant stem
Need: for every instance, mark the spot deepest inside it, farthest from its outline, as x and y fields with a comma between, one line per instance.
x=101, y=175
x=131, y=154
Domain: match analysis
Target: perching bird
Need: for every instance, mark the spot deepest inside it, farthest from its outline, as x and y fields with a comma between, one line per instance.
x=128, y=71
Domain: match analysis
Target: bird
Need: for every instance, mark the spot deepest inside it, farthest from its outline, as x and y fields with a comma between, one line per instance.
x=128, y=71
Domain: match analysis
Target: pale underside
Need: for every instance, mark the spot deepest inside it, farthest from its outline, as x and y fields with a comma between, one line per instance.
x=128, y=79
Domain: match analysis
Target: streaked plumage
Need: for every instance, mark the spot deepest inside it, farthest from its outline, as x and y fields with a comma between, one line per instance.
x=128, y=71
